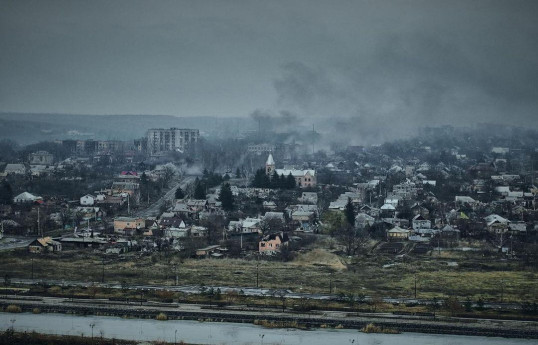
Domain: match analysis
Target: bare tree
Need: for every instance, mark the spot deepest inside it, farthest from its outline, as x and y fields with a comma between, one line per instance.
x=351, y=238
x=271, y=225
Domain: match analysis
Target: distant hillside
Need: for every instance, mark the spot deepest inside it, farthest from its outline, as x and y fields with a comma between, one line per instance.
x=30, y=128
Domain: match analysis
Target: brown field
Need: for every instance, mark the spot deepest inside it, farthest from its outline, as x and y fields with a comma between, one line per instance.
x=315, y=271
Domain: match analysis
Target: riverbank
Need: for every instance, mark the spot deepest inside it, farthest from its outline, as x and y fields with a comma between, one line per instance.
x=223, y=333
x=241, y=314
x=10, y=337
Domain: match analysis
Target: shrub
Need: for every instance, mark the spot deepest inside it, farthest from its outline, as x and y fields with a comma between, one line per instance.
x=36, y=311
x=12, y=308
x=162, y=317
x=371, y=328
x=55, y=290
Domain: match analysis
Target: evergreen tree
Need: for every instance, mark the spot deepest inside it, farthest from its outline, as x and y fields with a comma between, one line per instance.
x=275, y=180
x=199, y=189
x=258, y=179
x=179, y=193
x=290, y=181
x=6, y=193
x=237, y=173
x=226, y=197
x=266, y=182
x=144, y=179
x=350, y=213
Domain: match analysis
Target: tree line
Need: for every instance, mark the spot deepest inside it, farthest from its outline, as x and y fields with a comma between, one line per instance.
x=275, y=181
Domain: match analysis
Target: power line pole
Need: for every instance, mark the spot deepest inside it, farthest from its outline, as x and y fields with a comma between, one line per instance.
x=103, y=271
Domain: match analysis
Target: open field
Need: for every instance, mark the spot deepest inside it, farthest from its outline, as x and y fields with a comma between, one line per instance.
x=317, y=271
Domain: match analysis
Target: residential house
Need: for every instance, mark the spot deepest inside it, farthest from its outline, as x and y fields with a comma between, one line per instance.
x=461, y=200
x=89, y=212
x=274, y=215
x=251, y=225
x=16, y=169
x=123, y=224
x=418, y=209
x=198, y=231
x=87, y=200
x=273, y=243
x=130, y=188
x=26, y=197
x=215, y=251
x=304, y=219
x=388, y=211
x=175, y=229
x=449, y=235
x=496, y=223
x=393, y=200
x=398, y=234
x=44, y=244
x=269, y=205
x=419, y=222
x=371, y=211
x=309, y=198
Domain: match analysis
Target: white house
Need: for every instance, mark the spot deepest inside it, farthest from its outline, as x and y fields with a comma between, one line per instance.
x=87, y=200
x=420, y=222
x=18, y=169
x=25, y=197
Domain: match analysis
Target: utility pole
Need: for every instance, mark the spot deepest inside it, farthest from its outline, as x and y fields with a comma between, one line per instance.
x=415, y=286
x=257, y=271
x=32, y=268
x=103, y=271
x=38, y=225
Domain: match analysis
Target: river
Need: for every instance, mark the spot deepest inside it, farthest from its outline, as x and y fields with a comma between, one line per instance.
x=224, y=333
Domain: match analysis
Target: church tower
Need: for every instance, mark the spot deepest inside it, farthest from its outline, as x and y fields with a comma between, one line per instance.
x=270, y=165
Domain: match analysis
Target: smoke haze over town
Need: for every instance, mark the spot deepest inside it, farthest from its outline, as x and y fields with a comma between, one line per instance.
x=375, y=70
x=273, y=172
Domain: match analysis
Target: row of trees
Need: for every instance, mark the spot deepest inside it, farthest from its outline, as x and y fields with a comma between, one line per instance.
x=262, y=180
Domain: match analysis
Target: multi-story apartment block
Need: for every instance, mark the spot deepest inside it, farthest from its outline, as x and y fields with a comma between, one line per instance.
x=41, y=157
x=173, y=139
x=261, y=148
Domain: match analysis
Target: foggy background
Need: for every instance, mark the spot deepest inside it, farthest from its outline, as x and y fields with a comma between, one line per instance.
x=360, y=71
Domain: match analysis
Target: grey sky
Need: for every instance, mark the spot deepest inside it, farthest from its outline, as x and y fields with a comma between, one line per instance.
x=399, y=62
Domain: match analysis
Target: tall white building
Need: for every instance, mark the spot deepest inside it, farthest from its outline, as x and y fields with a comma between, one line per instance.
x=173, y=139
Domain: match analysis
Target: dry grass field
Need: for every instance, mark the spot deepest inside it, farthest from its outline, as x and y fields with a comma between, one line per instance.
x=314, y=271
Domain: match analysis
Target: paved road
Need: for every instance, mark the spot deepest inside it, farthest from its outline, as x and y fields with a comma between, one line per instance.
x=154, y=209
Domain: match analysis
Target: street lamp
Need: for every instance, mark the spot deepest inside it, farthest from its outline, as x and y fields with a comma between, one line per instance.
x=175, y=337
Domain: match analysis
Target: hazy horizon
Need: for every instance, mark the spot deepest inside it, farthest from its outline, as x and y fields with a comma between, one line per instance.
x=376, y=68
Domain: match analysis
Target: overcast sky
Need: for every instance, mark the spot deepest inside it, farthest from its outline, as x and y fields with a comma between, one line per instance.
x=376, y=61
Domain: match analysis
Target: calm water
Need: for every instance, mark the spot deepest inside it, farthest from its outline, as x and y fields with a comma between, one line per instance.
x=223, y=333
